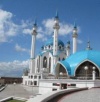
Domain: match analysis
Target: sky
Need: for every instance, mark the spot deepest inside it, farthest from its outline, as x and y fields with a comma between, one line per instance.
x=17, y=19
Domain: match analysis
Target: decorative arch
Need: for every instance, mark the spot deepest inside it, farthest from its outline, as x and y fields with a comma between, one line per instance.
x=45, y=62
x=60, y=68
x=81, y=72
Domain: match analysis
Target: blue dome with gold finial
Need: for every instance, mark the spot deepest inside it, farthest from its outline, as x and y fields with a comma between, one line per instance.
x=50, y=42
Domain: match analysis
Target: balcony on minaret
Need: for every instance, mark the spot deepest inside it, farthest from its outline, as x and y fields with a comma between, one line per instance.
x=56, y=22
x=75, y=35
x=34, y=30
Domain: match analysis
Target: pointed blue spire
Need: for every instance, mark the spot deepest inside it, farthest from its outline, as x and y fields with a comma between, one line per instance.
x=56, y=15
x=75, y=26
x=35, y=22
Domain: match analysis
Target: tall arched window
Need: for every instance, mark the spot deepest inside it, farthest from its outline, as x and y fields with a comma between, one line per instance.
x=49, y=64
x=45, y=62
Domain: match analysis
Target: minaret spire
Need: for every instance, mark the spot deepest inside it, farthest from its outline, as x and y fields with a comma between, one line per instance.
x=32, y=59
x=88, y=46
x=56, y=15
x=75, y=35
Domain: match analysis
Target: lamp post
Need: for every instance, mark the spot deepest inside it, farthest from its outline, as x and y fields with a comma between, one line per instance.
x=61, y=74
x=86, y=68
x=14, y=87
x=93, y=74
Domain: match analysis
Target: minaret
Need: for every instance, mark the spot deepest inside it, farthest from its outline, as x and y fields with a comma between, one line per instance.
x=68, y=49
x=88, y=46
x=75, y=35
x=32, y=59
x=55, y=39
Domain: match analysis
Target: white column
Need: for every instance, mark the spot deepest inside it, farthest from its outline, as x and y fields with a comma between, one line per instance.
x=74, y=44
x=41, y=63
x=68, y=49
x=55, y=42
x=32, y=66
x=32, y=59
x=55, y=45
x=75, y=35
x=33, y=46
x=68, y=52
x=93, y=74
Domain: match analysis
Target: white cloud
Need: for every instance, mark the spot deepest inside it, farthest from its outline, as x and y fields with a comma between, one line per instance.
x=27, y=31
x=7, y=27
x=20, y=49
x=79, y=41
x=14, y=68
x=64, y=27
x=48, y=26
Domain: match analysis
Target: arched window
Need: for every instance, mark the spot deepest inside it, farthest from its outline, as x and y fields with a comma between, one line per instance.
x=49, y=64
x=49, y=46
x=81, y=72
x=45, y=62
x=59, y=58
x=60, y=47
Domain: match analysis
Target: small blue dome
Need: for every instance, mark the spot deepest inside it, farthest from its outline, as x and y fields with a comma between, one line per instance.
x=72, y=62
x=50, y=42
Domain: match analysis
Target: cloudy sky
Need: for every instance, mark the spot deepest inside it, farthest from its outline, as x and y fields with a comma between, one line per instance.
x=17, y=18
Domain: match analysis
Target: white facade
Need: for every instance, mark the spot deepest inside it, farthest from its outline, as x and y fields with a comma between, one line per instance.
x=42, y=66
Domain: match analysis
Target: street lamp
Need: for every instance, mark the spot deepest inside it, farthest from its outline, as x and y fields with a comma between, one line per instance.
x=86, y=68
x=61, y=73
x=93, y=73
x=14, y=87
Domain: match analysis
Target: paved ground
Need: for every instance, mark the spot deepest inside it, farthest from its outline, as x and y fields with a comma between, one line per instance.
x=18, y=91
x=92, y=95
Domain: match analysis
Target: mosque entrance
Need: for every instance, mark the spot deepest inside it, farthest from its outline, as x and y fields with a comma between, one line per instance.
x=60, y=71
x=81, y=72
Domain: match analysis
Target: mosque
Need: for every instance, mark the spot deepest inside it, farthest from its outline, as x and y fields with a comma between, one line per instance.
x=56, y=60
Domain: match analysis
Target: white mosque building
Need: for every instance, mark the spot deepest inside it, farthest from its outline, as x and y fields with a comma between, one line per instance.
x=55, y=59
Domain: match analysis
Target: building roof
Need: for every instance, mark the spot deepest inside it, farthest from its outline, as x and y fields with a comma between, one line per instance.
x=73, y=61
x=50, y=42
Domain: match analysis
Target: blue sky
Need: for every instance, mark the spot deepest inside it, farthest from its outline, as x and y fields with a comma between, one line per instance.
x=17, y=18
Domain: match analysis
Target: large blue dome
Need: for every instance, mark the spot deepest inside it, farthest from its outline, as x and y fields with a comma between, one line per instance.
x=50, y=42
x=72, y=62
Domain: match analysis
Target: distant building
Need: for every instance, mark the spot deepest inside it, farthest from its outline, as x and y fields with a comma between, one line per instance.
x=10, y=80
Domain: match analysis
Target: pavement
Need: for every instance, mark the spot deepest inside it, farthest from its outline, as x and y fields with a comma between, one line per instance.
x=91, y=95
x=18, y=90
